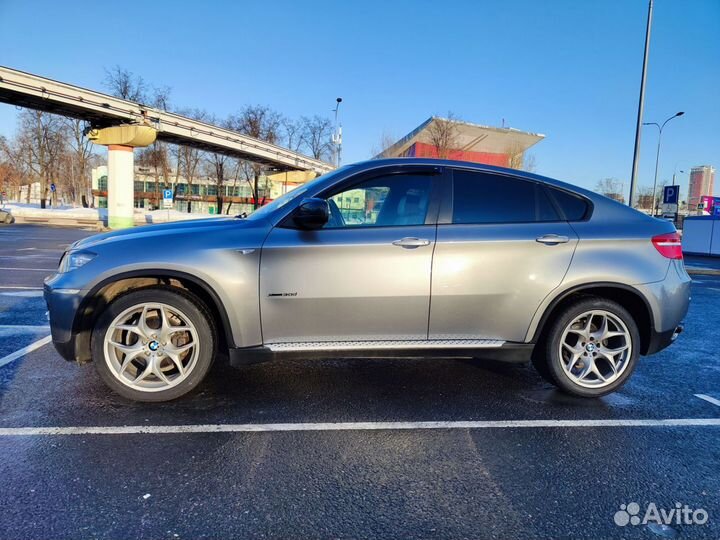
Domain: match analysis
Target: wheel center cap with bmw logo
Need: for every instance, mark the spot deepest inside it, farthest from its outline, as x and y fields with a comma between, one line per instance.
x=590, y=347
x=153, y=346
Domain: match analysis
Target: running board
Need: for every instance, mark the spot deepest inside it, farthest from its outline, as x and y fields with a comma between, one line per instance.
x=307, y=346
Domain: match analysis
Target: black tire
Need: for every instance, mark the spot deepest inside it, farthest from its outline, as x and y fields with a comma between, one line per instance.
x=549, y=363
x=184, y=301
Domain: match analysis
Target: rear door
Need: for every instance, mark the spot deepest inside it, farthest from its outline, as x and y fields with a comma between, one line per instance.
x=501, y=248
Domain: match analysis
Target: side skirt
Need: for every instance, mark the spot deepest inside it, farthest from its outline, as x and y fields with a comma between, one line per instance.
x=484, y=349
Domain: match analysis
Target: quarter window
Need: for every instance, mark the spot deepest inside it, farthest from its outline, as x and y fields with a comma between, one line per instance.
x=574, y=208
x=494, y=198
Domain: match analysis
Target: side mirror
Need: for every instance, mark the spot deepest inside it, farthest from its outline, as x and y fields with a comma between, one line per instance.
x=312, y=214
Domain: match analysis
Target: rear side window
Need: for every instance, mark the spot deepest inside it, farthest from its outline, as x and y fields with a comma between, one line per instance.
x=575, y=208
x=493, y=198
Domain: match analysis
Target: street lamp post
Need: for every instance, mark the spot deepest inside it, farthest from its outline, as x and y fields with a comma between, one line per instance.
x=641, y=105
x=657, y=155
x=337, y=136
x=679, y=191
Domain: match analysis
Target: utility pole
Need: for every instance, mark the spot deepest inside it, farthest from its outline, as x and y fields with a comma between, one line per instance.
x=641, y=105
x=337, y=136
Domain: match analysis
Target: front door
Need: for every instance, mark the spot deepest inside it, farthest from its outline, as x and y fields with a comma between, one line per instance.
x=365, y=276
x=502, y=247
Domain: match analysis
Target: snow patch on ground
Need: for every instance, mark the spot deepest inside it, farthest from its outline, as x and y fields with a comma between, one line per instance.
x=99, y=214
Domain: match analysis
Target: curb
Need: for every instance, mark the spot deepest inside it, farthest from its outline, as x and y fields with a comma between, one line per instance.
x=58, y=221
x=696, y=271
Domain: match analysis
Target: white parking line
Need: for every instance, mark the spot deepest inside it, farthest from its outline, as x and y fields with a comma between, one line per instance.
x=25, y=350
x=44, y=259
x=29, y=269
x=709, y=399
x=24, y=327
x=354, y=426
x=23, y=294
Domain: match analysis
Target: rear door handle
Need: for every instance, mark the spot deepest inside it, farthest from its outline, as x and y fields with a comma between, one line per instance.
x=410, y=242
x=552, y=239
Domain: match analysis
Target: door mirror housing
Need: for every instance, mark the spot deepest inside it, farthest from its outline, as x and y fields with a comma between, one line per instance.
x=312, y=214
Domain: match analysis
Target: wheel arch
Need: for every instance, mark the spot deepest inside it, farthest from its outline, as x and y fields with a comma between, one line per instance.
x=109, y=288
x=627, y=296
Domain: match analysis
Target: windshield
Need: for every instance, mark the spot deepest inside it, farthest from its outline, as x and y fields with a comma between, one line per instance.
x=281, y=201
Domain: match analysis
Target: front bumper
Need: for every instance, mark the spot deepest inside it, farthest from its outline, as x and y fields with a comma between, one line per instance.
x=63, y=305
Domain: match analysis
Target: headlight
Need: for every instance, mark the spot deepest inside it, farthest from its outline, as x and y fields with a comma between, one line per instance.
x=75, y=259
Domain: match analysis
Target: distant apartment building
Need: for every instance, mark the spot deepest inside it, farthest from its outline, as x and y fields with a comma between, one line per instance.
x=702, y=180
x=202, y=192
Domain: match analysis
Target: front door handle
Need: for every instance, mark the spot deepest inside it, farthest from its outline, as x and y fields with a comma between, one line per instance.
x=410, y=242
x=552, y=239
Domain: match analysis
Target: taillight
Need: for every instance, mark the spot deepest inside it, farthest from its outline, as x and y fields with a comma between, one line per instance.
x=668, y=245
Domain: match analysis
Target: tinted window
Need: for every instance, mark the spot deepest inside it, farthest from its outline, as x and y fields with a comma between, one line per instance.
x=493, y=198
x=572, y=206
x=385, y=201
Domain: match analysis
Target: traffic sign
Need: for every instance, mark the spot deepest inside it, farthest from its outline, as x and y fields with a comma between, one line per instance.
x=671, y=194
x=167, y=198
x=52, y=187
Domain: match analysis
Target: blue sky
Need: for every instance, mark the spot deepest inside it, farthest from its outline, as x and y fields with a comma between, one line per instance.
x=567, y=68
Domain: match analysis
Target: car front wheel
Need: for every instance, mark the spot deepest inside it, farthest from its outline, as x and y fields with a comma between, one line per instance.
x=591, y=348
x=153, y=344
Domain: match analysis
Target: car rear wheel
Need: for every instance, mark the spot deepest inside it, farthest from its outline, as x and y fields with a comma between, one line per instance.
x=591, y=348
x=154, y=344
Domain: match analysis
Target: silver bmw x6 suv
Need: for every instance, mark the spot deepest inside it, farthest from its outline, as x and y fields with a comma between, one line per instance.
x=400, y=257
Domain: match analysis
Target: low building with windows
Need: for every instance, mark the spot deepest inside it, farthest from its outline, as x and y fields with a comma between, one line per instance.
x=202, y=192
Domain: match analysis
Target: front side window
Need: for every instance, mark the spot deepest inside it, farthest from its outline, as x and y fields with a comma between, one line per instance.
x=386, y=201
x=493, y=198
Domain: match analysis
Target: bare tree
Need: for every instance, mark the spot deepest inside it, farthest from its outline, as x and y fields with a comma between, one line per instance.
x=82, y=150
x=644, y=197
x=519, y=159
x=11, y=173
x=188, y=158
x=41, y=144
x=316, y=136
x=385, y=143
x=14, y=171
x=264, y=124
x=610, y=187
x=292, y=134
x=125, y=84
x=530, y=163
x=659, y=194
x=515, y=154
x=443, y=134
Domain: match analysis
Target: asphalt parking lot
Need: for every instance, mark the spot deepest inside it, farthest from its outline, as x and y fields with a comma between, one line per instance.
x=405, y=448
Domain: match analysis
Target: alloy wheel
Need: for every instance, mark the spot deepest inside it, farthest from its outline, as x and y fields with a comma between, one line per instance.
x=595, y=349
x=151, y=347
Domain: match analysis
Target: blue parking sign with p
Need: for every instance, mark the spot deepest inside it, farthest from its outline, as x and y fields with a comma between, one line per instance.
x=671, y=194
x=167, y=198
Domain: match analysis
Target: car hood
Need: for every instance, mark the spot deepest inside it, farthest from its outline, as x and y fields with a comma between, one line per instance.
x=159, y=230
